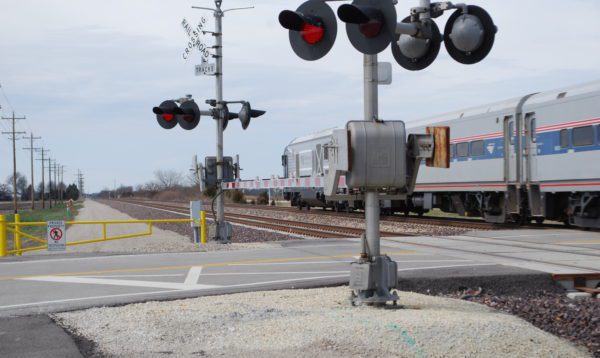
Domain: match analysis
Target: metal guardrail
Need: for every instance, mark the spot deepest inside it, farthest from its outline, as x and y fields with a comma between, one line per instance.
x=16, y=228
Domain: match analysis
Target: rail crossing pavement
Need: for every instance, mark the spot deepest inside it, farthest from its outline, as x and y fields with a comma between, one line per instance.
x=66, y=282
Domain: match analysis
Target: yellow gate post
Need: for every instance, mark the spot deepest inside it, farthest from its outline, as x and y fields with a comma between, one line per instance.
x=203, y=226
x=17, y=235
x=2, y=236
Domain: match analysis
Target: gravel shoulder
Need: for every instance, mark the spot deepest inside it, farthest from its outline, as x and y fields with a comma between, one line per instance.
x=309, y=323
x=161, y=240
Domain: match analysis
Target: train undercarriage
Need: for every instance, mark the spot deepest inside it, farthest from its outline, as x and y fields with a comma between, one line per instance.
x=573, y=209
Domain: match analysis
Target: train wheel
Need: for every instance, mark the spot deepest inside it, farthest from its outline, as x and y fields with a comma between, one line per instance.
x=539, y=220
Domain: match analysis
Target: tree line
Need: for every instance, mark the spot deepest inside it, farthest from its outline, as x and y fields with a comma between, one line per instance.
x=24, y=189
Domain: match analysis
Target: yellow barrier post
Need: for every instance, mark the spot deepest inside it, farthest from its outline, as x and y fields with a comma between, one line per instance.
x=2, y=235
x=17, y=235
x=203, y=226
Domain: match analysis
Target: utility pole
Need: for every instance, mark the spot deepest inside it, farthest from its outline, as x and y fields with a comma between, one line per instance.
x=55, y=181
x=14, y=139
x=32, y=149
x=80, y=182
x=223, y=229
x=43, y=151
x=50, y=182
x=62, y=184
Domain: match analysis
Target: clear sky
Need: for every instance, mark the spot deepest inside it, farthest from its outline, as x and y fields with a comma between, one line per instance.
x=87, y=74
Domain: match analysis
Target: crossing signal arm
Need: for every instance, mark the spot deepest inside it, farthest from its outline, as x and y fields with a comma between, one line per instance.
x=187, y=114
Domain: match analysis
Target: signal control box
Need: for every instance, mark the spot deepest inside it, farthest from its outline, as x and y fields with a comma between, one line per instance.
x=380, y=156
x=377, y=155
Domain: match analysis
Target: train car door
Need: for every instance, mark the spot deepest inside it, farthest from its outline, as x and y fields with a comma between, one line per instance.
x=510, y=157
x=536, y=207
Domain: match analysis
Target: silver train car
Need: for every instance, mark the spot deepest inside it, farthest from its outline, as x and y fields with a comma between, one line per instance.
x=534, y=157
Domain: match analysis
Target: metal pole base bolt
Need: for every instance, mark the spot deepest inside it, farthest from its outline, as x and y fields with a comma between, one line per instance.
x=372, y=281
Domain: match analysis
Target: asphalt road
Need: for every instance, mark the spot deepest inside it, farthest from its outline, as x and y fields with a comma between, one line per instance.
x=33, y=285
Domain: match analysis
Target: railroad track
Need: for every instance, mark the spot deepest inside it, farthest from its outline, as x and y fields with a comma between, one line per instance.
x=328, y=231
x=284, y=226
x=463, y=223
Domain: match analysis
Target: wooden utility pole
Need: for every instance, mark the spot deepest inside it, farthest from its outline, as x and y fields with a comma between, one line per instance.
x=55, y=181
x=43, y=151
x=14, y=140
x=32, y=149
x=50, y=182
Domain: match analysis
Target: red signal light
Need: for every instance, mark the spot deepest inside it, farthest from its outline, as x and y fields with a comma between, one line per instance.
x=168, y=117
x=371, y=29
x=312, y=34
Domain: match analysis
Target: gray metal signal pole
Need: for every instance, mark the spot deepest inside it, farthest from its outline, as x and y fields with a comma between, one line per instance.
x=371, y=108
x=219, y=88
x=221, y=225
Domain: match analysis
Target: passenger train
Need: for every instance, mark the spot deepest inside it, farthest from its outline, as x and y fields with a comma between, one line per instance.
x=533, y=157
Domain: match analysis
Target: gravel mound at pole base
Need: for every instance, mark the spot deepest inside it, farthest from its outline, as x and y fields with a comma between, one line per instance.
x=309, y=323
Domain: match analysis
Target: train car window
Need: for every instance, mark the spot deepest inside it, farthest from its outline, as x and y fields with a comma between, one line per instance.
x=511, y=131
x=452, y=150
x=583, y=136
x=477, y=148
x=284, y=160
x=462, y=149
x=533, y=131
x=564, y=138
x=325, y=152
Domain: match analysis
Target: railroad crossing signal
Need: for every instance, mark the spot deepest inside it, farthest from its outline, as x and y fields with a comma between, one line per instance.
x=313, y=28
x=247, y=113
x=169, y=114
x=372, y=25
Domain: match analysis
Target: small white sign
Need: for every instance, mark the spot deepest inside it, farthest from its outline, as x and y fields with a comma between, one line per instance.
x=57, y=238
x=207, y=69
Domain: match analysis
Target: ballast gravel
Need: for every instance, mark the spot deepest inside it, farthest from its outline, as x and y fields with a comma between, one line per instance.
x=311, y=323
x=240, y=234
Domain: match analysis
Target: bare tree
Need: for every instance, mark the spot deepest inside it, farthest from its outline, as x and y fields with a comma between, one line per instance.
x=21, y=183
x=168, y=179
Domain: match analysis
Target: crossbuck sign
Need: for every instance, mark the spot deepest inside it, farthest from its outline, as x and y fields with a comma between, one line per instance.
x=194, y=33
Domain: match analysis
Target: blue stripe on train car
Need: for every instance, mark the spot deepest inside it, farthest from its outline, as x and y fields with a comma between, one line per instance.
x=547, y=143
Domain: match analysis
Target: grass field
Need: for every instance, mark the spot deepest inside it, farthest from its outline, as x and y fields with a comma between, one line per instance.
x=58, y=212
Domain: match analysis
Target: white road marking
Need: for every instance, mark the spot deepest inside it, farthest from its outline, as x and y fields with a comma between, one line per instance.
x=126, y=283
x=292, y=263
x=340, y=262
x=273, y=273
x=193, y=275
